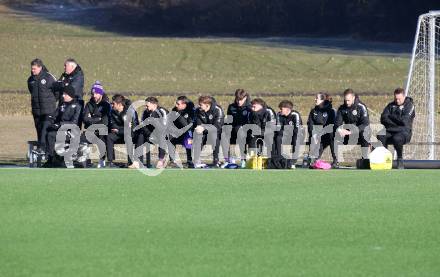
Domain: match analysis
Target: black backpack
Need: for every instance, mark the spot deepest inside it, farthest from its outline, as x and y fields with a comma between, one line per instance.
x=278, y=162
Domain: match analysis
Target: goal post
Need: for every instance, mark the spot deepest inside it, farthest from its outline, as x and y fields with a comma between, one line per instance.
x=423, y=86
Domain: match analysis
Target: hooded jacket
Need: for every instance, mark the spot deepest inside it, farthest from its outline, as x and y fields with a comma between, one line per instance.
x=240, y=114
x=43, y=98
x=397, y=118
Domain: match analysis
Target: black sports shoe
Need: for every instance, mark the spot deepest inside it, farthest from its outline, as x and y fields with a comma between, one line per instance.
x=49, y=163
x=335, y=165
x=400, y=164
x=111, y=165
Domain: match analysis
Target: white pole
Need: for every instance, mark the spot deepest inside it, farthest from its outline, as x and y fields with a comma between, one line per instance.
x=431, y=110
x=411, y=66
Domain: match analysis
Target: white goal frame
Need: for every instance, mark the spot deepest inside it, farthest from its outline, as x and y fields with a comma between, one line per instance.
x=430, y=62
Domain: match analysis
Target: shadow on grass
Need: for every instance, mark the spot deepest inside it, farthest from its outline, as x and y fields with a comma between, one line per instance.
x=129, y=21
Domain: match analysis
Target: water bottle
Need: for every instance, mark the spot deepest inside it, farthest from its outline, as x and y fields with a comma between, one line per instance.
x=305, y=163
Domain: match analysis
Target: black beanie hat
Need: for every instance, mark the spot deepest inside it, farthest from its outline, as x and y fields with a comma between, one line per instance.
x=69, y=91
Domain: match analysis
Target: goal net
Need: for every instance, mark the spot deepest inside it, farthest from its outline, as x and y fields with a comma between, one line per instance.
x=423, y=86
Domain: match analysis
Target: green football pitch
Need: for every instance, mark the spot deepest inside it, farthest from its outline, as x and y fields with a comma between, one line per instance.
x=219, y=223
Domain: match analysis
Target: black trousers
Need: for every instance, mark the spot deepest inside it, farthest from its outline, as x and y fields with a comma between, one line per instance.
x=234, y=137
x=176, y=141
x=81, y=115
x=140, y=139
x=83, y=139
x=362, y=141
x=42, y=122
x=326, y=141
x=258, y=142
x=114, y=138
x=204, y=138
x=279, y=143
x=397, y=140
x=51, y=139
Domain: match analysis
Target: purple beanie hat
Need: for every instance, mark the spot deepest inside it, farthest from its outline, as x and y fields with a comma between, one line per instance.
x=98, y=88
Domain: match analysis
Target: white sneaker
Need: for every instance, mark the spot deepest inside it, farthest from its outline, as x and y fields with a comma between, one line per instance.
x=200, y=165
x=160, y=164
x=292, y=166
x=243, y=164
x=101, y=164
x=134, y=165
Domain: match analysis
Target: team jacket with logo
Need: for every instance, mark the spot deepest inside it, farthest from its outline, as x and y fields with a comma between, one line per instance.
x=43, y=98
x=322, y=116
x=293, y=119
x=184, y=117
x=160, y=113
x=240, y=114
x=398, y=119
x=263, y=117
x=214, y=116
x=68, y=113
x=357, y=115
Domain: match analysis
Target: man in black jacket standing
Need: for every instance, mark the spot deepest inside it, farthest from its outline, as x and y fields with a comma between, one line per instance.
x=67, y=113
x=43, y=100
x=73, y=76
x=398, y=117
x=353, y=112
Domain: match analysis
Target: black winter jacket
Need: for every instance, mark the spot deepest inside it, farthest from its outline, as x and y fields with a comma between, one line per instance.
x=398, y=119
x=75, y=79
x=43, y=98
x=240, y=114
x=67, y=113
x=117, y=119
x=97, y=113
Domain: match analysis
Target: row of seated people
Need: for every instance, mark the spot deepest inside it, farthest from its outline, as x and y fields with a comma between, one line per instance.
x=193, y=127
